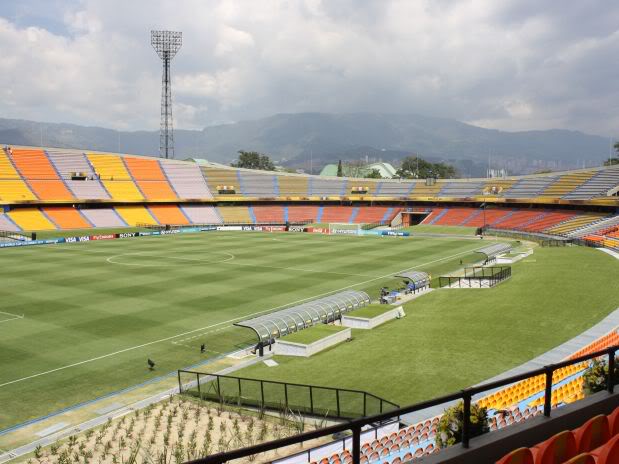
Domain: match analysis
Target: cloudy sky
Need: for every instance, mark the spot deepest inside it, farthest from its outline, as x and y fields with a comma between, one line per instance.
x=507, y=64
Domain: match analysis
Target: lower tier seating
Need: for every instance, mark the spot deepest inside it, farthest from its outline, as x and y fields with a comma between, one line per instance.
x=235, y=214
x=269, y=214
x=66, y=217
x=201, y=214
x=168, y=214
x=134, y=215
x=103, y=217
x=31, y=219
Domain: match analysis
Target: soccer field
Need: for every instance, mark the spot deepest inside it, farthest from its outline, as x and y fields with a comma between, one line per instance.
x=80, y=320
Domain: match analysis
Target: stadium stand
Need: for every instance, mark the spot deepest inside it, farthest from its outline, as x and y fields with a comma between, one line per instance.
x=327, y=187
x=199, y=214
x=115, y=177
x=7, y=224
x=546, y=220
x=186, y=179
x=258, y=185
x=529, y=187
x=150, y=179
x=422, y=190
x=103, y=217
x=582, y=220
x=298, y=213
x=457, y=216
x=595, y=227
x=361, y=187
x=234, y=214
x=269, y=214
x=374, y=214
x=599, y=184
x=596, y=441
x=15, y=190
x=394, y=189
x=39, y=173
x=168, y=214
x=134, y=215
x=66, y=217
x=461, y=189
x=31, y=219
x=70, y=164
x=567, y=183
x=293, y=185
x=337, y=214
x=216, y=178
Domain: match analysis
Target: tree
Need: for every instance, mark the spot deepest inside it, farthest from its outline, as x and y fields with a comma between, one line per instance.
x=373, y=174
x=253, y=160
x=339, y=169
x=413, y=167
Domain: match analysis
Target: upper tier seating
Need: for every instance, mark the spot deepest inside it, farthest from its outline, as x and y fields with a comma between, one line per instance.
x=293, y=186
x=219, y=177
x=115, y=177
x=567, y=183
x=269, y=214
x=598, y=185
x=187, y=180
x=327, y=187
x=103, y=217
x=150, y=178
x=31, y=219
x=461, y=189
x=168, y=214
x=134, y=215
x=7, y=224
x=68, y=164
x=394, y=189
x=199, y=214
x=257, y=184
x=7, y=170
x=15, y=190
x=423, y=190
x=367, y=188
x=66, y=217
x=234, y=214
x=39, y=173
x=529, y=187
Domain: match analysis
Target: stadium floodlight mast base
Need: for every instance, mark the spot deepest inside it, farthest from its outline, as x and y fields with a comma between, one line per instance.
x=166, y=44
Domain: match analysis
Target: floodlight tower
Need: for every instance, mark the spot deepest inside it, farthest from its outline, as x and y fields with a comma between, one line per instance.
x=166, y=44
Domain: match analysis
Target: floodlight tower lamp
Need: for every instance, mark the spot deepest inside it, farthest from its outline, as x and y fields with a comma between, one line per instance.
x=166, y=44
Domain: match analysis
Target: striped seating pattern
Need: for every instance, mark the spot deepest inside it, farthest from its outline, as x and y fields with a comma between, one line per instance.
x=150, y=179
x=103, y=217
x=66, y=217
x=257, y=184
x=115, y=177
x=7, y=224
x=15, y=190
x=293, y=186
x=337, y=214
x=31, y=219
x=269, y=214
x=168, y=214
x=199, y=214
x=68, y=163
x=298, y=213
x=186, y=180
x=234, y=214
x=134, y=215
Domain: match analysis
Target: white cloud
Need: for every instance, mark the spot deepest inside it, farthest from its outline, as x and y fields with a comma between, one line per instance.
x=511, y=65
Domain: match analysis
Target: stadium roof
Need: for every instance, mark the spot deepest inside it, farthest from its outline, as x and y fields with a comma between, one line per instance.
x=495, y=249
x=295, y=318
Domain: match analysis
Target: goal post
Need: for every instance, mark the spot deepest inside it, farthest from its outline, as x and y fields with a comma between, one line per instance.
x=344, y=228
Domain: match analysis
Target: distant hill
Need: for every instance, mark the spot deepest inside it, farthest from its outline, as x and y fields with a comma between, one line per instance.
x=300, y=139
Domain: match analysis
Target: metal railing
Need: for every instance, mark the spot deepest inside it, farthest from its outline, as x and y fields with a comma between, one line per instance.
x=355, y=426
x=312, y=400
x=477, y=277
x=14, y=236
x=226, y=223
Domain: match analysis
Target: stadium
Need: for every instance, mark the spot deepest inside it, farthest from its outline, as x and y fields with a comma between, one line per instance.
x=157, y=310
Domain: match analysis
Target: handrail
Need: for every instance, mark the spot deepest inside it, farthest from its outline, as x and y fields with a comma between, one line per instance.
x=466, y=395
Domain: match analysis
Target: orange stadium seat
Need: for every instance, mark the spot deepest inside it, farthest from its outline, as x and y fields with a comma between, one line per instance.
x=556, y=450
x=66, y=217
x=519, y=456
x=592, y=434
x=50, y=190
x=168, y=214
x=33, y=164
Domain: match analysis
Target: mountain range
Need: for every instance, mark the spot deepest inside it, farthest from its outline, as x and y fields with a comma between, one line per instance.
x=310, y=140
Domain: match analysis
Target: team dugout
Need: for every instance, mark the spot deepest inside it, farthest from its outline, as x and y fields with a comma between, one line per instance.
x=290, y=320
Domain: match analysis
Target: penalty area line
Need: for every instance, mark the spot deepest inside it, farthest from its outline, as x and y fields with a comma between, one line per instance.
x=143, y=345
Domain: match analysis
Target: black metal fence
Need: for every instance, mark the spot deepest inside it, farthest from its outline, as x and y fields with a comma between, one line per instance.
x=356, y=425
x=477, y=277
x=312, y=400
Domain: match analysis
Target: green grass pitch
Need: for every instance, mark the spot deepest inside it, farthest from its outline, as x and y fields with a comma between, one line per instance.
x=94, y=312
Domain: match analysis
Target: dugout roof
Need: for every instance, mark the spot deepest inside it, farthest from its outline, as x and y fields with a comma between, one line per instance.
x=295, y=318
x=492, y=251
x=418, y=278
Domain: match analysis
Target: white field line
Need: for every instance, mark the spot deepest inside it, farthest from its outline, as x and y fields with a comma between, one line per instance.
x=12, y=317
x=131, y=348
x=227, y=261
